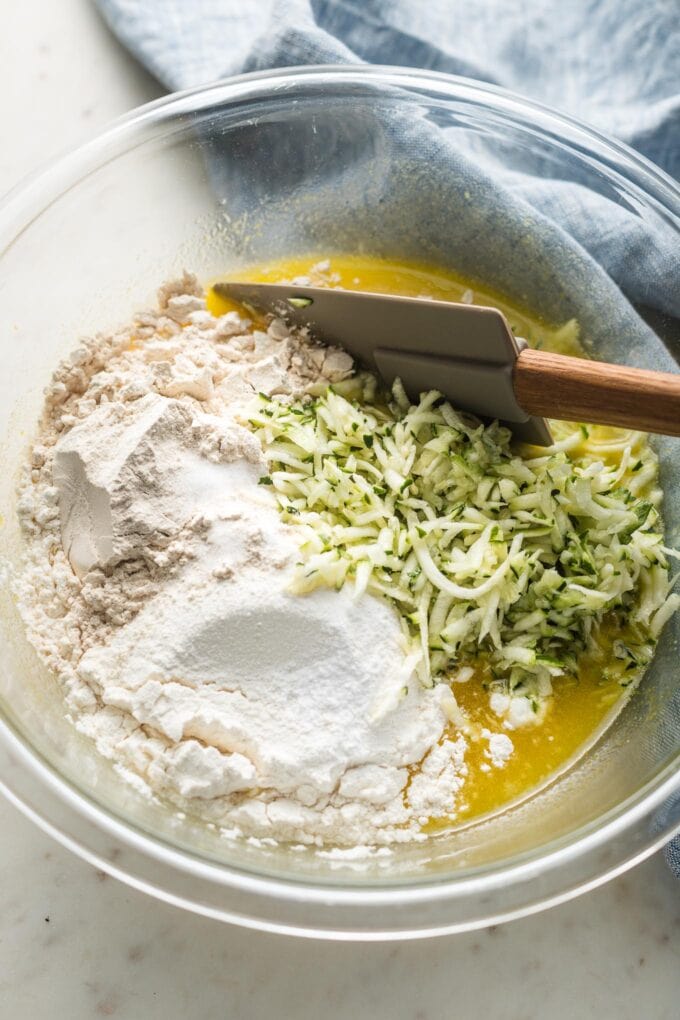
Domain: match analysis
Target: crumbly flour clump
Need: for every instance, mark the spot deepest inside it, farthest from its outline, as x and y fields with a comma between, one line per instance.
x=155, y=588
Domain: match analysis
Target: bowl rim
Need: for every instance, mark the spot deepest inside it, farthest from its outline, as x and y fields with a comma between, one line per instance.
x=62, y=820
x=16, y=213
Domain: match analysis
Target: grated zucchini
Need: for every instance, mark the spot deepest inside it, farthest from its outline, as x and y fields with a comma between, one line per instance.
x=514, y=556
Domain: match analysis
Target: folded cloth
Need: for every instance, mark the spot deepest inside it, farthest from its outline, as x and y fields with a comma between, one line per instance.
x=613, y=63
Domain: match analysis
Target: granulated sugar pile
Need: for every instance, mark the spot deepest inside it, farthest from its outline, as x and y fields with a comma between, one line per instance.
x=155, y=588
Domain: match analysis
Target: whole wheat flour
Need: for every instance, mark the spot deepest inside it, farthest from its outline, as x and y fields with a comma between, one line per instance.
x=155, y=588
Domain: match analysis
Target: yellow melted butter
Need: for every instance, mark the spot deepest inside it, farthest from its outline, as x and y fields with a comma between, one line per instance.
x=412, y=279
x=580, y=708
x=578, y=712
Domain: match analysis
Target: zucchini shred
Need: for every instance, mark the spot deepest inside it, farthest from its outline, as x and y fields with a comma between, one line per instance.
x=495, y=555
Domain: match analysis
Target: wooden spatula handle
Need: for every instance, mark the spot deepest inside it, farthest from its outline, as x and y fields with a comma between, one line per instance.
x=575, y=389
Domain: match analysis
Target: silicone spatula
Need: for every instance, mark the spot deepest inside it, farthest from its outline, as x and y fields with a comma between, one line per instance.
x=470, y=355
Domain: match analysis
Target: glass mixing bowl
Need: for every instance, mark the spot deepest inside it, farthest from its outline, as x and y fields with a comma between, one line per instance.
x=239, y=172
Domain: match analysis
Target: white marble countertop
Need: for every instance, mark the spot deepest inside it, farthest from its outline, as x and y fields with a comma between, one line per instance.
x=77, y=944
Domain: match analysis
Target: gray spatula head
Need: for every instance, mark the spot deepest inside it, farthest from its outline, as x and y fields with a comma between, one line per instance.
x=464, y=351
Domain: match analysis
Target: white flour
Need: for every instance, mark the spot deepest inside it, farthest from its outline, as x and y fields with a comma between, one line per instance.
x=155, y=588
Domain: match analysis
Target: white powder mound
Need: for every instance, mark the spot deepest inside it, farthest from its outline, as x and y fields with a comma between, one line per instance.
x=155, y=588
x=518, y=711
x=106, y=514
x=500, y=747
x=249, y=688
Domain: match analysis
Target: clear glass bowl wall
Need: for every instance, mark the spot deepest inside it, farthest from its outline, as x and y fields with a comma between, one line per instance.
x=252, y=169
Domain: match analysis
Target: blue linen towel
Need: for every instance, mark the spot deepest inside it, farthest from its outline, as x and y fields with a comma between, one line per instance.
x=612, y=63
